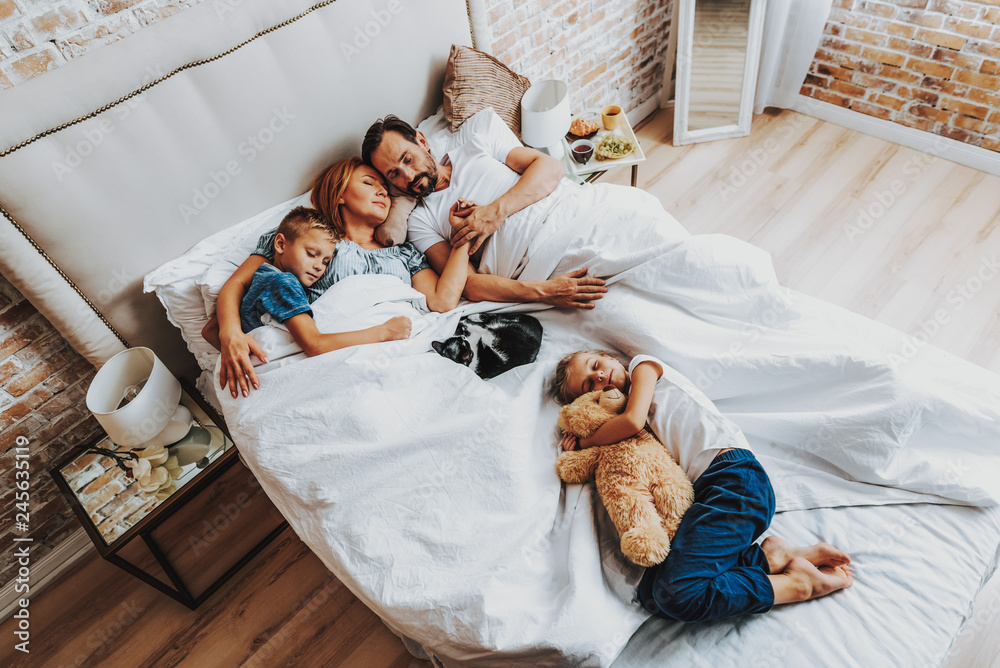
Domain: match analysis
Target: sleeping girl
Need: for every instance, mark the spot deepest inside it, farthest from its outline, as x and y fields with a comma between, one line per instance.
x=715, y=568
x=353, y=200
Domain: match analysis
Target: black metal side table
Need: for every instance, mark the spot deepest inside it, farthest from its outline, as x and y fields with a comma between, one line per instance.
x=188, y=543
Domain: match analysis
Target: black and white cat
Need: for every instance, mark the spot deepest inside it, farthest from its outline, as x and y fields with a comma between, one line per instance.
x=492, y=343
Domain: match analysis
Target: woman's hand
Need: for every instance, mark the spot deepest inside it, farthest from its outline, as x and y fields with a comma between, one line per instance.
x=573, y=290
x=459, y=211
x=237, y=370
x=570, y=442
x=396, y=329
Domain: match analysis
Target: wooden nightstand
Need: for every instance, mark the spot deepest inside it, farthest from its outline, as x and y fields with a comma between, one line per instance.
x=189, y=543
x=594, y=168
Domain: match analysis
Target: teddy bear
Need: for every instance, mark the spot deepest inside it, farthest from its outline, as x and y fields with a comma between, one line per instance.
x=643, y=489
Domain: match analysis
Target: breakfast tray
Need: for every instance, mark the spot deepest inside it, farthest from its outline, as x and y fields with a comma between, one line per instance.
x=594, y=165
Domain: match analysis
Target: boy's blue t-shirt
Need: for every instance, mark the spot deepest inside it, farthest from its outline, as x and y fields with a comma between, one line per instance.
x=272, y=291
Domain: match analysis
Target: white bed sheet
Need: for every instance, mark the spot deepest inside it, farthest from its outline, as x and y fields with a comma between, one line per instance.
x=432, y=494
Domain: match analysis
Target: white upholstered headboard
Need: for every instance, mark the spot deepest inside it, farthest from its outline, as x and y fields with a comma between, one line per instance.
x=118, y=162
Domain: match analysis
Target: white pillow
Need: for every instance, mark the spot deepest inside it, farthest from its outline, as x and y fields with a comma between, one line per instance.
x=442, y=139
x=432, y=125
x=176, y=289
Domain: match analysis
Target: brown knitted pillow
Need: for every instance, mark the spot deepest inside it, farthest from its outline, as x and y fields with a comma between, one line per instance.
x=475, y=80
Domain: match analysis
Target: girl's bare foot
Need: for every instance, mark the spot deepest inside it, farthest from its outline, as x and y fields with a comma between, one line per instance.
x=802, y=581
x=779, y=552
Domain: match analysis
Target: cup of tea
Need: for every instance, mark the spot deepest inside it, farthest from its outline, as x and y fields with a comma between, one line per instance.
x=611, y=116
x=582, y=150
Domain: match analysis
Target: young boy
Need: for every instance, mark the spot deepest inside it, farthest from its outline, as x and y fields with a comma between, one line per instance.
x=303, y=247
x=715, y=567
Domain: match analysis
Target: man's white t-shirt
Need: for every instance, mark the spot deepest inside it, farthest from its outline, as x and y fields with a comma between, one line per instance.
x=479, y=173
x=686, y=421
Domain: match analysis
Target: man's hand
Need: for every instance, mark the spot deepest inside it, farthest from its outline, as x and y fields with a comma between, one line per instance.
x=474, y=224
x=237, y=369
x=458, y=212
x=573, y=290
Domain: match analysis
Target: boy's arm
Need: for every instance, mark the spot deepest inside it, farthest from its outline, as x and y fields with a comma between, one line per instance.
x=631, y=422
x=313, y=342
x=236, y=347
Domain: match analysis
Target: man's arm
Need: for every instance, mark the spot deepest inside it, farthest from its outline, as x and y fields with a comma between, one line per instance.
x=540, y=174
x=572, y=290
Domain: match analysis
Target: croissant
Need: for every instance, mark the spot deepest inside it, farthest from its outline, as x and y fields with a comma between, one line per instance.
x=582, y=127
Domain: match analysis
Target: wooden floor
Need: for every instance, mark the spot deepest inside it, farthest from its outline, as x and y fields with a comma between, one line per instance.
x=283, y=609
x=863, y=223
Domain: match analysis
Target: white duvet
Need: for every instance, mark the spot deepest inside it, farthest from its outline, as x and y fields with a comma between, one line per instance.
x=432, y=493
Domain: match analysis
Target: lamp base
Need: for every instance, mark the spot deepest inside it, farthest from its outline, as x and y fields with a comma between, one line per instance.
x=192, y=447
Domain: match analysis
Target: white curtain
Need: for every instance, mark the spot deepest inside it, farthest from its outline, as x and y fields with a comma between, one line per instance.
x=792, y=33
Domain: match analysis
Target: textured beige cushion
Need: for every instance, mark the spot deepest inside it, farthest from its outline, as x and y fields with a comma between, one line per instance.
x=474, y=80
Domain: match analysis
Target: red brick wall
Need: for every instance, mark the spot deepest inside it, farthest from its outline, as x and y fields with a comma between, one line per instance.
x=933, y=65
x=606, y=51
x=39, y=35
x=42, y=387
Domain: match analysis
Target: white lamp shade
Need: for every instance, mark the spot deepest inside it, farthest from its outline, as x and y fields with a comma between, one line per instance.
x=149, y=412
x=545, y=114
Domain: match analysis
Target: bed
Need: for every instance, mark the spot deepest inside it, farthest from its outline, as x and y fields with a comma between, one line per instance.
x=444, y=515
